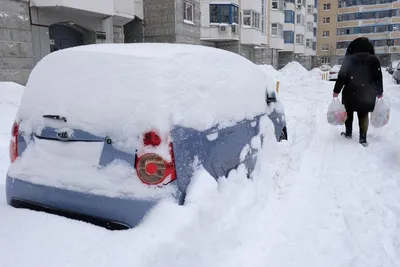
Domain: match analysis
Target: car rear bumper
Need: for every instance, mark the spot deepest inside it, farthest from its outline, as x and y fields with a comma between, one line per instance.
x=111, y=213
x=333, y=76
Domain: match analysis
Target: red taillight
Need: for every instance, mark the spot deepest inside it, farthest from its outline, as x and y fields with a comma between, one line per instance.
x=14, y=142
x=151, y=139
x=152, y=169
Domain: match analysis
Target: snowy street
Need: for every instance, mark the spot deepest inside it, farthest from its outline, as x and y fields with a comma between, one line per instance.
x=316, y=200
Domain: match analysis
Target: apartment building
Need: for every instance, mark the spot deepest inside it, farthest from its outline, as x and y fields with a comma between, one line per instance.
x=327, y=29
x=29, y=30
x=299, y=30
x=378, y=20
x=265, y=31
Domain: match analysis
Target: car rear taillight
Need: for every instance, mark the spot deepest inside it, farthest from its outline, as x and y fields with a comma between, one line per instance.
x=151, y=168
x=14, y=142
x=332, y=72
x=151, y=139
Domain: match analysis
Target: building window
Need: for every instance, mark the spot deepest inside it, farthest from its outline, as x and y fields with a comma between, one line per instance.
x=369, y=29
x=310, y=26
x=315, y=32
x=383, y=14
x=256, y=20
x=300, y=19
x=309, y=43
x=300, y=39
x=247, y=17
x=342, y=45
x=326, y=20
x=382, y=28
x=314, y=46
x=325, y=60
x=289, y=16
x=288, y=37
x=315, y=18
x=221, y=13
x=327, y=7
x=251, y=18
x=347, y=31
x=188, y=12
x=263, y=17
x=277, y=4
x=367, y=15
x=310, y=9
x=276, y=29
x=325, y=47
x=325, y=34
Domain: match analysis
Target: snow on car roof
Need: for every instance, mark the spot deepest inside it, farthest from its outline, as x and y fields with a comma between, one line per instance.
x=107, y=88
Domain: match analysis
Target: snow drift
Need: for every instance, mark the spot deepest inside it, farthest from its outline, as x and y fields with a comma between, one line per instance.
x=10, y=98
x=104, y=88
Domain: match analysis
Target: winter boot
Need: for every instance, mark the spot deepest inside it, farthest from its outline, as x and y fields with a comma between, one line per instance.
x=347, y=134
x=363, y=139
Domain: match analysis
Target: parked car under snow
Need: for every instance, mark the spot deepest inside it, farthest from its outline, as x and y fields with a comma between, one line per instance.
x=334, y=72
x=106, y=131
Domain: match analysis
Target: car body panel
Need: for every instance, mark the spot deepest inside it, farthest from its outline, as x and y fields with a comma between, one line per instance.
x=65, y=187
x=218, y=155
x=333, y=72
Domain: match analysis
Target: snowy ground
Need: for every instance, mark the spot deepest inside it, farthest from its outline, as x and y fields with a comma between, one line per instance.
x=318, y=200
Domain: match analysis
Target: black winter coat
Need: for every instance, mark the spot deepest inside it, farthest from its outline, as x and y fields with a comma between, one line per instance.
x=361, y=77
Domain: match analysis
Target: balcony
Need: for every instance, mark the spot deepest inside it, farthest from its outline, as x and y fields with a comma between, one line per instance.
x=288, y=47
x=250, y=36
x=220, y=32
x=123, y=11
x=277, y=16
x=299, y=49
x=276, y=42
x=376, y=7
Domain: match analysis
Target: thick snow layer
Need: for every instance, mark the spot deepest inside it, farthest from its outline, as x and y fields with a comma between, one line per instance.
x=123, y=91
x=10, y=97
x=106, y=88
x=316, y=200
x=294, y=70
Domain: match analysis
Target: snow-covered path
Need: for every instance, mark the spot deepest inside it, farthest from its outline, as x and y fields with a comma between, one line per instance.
x=318, y=200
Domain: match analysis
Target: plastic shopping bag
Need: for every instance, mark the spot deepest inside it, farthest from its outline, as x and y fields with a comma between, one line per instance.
x=336, y=114
x=380, y=115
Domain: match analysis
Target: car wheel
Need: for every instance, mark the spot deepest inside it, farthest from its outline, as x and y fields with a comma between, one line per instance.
x=283, y=135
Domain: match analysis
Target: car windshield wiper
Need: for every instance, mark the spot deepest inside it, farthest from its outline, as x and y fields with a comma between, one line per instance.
x=55, y=117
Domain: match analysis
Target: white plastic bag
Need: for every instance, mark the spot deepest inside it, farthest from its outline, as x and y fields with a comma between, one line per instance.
x=336, y=114
x=380, y=115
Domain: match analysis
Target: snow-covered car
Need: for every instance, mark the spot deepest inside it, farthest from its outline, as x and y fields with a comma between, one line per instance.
x=105, y=131
x=333, y=72
x=396, y=73
x=325, y=67
x=392, y=66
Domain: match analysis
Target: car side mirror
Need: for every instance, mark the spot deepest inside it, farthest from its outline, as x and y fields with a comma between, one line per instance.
x=270, y=97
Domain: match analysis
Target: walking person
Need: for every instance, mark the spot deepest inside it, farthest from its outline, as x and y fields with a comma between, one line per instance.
x=360, y=81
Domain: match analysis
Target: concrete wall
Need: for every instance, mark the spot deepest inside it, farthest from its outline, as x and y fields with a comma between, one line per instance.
x=16, y=55
x=284, y=58
x=134, y=31
x=266, y=56
x=159, y=21
x=118, y=34
x=229, y=46
x=305, y=61
x=185, y=32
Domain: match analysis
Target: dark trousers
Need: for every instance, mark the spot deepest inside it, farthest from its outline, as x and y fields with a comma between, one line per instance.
x=363, y=121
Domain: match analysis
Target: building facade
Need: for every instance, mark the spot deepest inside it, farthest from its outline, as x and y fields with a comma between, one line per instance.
x=378, y=20
x=299, y=30
x=271, y=32
x=29, y=30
